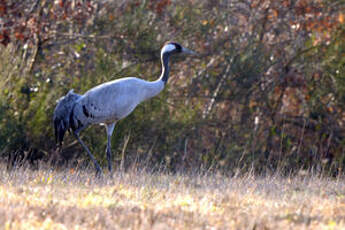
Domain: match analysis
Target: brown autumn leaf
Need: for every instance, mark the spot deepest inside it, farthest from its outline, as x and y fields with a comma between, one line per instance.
x=5, y=38
x=2, y=10
x=19, y=36
x=341, y=18
x=111, y=17
x=61, y=3
x=274, y=14
x=307, y=97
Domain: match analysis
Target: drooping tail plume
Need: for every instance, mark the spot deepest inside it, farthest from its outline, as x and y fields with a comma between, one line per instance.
x=62, y=114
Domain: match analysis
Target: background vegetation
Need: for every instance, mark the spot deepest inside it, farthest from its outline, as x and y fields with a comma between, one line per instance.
x=267, y=91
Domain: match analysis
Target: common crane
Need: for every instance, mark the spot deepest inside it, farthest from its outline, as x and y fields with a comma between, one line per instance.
x=109, y=102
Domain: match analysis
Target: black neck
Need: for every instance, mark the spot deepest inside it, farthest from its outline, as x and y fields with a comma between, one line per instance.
x=165, y=67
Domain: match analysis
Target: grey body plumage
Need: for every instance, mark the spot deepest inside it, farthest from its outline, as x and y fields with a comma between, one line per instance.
x=109, y=102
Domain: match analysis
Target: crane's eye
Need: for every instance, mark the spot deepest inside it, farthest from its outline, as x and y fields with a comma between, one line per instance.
x=178, y=47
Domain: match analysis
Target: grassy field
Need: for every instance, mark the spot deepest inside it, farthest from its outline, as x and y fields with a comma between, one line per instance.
x=45, y=199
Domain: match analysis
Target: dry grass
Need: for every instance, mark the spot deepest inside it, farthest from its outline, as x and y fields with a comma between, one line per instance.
x=47, y=199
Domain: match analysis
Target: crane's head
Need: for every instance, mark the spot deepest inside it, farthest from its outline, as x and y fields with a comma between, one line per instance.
x=175, y=48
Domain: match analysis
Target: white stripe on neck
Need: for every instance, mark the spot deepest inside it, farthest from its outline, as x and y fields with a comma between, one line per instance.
x=168, y=48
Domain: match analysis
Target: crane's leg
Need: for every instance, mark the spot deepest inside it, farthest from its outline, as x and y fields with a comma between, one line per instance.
x=98, y=168
x=110, y=130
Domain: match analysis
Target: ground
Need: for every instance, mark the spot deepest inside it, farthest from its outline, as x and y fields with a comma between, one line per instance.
x=75, y=199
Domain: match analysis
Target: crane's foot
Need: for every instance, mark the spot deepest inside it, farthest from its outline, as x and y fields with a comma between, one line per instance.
x=110, y=168
x=99, y=172
x=111, y=174
x=99, y=175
